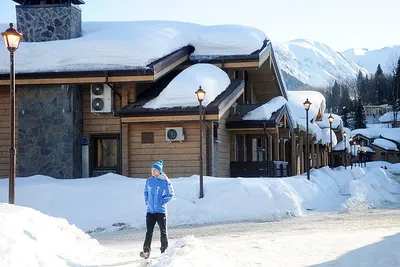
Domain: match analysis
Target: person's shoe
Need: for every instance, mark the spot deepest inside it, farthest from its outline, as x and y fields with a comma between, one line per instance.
x=163, y=249
x=144, y=255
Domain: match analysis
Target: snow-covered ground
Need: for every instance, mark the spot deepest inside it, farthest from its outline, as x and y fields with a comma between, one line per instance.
x=113, y=202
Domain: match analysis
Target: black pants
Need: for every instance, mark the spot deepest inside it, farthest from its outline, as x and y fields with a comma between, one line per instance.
x=151, y=219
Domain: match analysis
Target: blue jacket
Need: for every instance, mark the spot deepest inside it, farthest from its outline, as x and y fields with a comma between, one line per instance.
x=157, y=192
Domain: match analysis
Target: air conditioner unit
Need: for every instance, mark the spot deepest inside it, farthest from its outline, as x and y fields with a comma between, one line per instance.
x=174, y=134
x=101, y=98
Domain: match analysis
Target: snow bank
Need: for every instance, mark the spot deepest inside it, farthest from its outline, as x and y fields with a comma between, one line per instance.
x=265, y=111
x=129, y=45
x=30, y=238
x=112, y=202
x=375, y=189
x=180, y=92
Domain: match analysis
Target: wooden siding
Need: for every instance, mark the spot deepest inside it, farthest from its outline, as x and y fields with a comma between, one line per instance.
x=180, y=159
x=224, y=148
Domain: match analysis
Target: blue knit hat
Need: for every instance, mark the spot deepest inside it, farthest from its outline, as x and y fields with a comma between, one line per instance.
x=158, y=166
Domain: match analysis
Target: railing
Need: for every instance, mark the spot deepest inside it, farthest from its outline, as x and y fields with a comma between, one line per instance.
x=259, y=169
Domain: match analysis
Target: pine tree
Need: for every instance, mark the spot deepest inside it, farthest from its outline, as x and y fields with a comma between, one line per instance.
x=335, y=97
x=396, y=93
x=379, y=84
x=359, y=114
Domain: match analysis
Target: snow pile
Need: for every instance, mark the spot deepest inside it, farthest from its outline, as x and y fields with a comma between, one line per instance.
x=326, y=137
x=112, y=202
x=341, y=146
x=30, y=238
x=306, y=62
x=385, y=144
x=180, y=92
x=265, y=111
x=130, y=45
x=375, y=189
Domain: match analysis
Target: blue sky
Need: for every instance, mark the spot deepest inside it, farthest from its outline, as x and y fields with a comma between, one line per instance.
x=340, y=24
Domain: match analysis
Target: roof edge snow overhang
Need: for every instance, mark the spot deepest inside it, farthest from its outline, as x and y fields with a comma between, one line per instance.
x=151, y=72
x=213, y=111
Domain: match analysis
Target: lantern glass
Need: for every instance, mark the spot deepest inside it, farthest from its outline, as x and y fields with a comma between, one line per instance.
x=330, y=118
x=201, y=94
x=307, y=104
x=12, y=38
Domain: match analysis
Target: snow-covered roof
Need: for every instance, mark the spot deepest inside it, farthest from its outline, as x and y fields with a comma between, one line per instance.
x=326, y=137
x=265, y=111
x=340, y=146
x=312, y=128
x=130, y=45
x=180, y=92
x=324, y=123
x=388, y=133
x=297, y=98
x=388, y=117
x=367, y=149
x=385, y=144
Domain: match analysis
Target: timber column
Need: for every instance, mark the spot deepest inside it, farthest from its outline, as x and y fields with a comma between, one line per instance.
x=312, y=156
x=276, y=147
x=301, y=153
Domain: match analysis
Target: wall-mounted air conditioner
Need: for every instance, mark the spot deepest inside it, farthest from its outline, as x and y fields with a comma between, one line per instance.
x=101, y=98
x=174, y=134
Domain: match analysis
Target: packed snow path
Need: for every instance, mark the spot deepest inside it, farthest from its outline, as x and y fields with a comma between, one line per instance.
x=367, y=238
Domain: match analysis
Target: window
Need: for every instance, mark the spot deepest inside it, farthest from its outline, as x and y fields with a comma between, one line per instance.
x=104, y=151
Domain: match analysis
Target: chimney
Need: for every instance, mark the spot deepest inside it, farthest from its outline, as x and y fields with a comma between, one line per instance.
x=49, y=20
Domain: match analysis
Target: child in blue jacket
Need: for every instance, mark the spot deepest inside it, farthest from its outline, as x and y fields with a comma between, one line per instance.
x=157, y=192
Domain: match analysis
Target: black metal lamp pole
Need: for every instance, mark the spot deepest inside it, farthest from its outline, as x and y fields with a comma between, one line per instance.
x=345, y=150
x=12, y=39
x=200, y=96
x=307, y=105
x=330, y=119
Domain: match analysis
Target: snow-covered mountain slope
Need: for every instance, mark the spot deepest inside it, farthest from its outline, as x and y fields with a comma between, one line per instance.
x=306, y=62
x=370, y=59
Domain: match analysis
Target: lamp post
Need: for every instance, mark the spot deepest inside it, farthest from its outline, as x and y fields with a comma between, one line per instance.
x=345, y=149
x=330, y=119
x=351, y=151
x=12, y=39
x=307, y=105
x=200, y=96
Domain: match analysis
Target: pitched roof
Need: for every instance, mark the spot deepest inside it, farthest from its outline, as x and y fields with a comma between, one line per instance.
x=137, y=110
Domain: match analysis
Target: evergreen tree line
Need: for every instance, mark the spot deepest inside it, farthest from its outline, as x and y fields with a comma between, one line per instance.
x=348, y=98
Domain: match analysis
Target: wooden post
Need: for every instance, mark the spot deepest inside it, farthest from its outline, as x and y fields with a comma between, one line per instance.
x=282, y=155
x=293, y=169
x=318, y=156
x=276, y=147
x=301, y=152
x=270, y=148
x=312, y=160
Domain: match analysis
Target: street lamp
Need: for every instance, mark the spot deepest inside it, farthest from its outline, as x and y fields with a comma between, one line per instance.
x=200, y=96
x=12, y=39
x=345, y=149
x=330, y=119
x=307, y=105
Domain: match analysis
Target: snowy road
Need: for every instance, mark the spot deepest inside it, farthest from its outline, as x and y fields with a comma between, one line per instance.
x=369, y=238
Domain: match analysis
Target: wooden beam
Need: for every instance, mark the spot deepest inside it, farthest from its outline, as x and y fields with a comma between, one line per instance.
x=167, y=118
x=82, y=80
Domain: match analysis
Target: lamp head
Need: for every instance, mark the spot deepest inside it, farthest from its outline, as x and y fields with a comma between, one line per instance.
x=330, y=118
x=307, y=104
x=12, y=38
x=201, y=94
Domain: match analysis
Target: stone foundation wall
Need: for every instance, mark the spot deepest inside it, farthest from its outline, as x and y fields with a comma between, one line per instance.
x=49, y=131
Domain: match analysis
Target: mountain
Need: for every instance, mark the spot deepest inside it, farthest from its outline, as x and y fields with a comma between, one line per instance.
x=370, y=59
x=305, y=62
